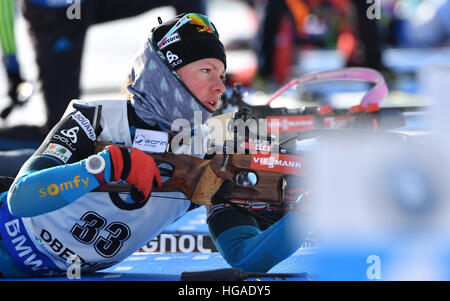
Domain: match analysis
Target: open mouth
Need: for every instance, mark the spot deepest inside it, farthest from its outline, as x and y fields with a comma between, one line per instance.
x=213, y=103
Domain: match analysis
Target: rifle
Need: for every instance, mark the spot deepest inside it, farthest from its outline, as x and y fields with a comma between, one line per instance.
x=261, y=176
x=366, y=115
x=199, y=179
x=254, y=176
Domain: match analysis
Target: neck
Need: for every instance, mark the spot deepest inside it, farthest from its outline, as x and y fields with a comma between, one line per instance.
x=159, y=96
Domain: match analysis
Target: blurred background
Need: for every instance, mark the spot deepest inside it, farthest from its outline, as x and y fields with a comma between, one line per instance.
x=268, y=43
x=382, y=210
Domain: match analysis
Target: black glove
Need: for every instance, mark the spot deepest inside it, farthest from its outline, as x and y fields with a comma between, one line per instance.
x=219, y=196
x=14, y=81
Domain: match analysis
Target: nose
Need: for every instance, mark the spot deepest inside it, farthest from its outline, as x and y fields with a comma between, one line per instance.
x=219, y=86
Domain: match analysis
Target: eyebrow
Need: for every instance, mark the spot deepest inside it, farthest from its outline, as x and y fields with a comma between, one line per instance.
x=214, y=67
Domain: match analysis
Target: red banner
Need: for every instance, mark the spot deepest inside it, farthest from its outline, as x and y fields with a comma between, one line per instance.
x=277, y=163
x=288, y=124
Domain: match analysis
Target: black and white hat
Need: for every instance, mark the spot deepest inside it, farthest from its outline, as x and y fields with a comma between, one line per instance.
x=188, y=38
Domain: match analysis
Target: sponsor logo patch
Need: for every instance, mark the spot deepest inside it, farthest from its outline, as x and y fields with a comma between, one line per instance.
x=173, y=59
x=55, y=189
x=58, y=151
x=151, y=141
x=277, y=162
x=85, y=124
x=170, y=40
x=287, y=124
x=71, y=134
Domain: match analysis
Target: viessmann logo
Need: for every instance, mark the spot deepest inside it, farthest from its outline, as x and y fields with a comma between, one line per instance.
x=277, y=162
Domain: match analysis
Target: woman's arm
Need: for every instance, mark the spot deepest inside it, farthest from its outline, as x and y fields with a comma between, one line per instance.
x=55, y=175
x=243, y=244
x=38, y=192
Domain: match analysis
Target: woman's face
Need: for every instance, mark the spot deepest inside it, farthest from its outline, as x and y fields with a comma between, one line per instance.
x=205, y=80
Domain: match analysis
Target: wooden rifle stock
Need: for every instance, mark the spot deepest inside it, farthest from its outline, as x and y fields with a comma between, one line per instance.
x=199, y=179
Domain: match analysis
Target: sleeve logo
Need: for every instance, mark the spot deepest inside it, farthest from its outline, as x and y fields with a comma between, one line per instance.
x=71, y=134
x=170, y=40
x=151, y=141
x=58, y=151
x=85, y=124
